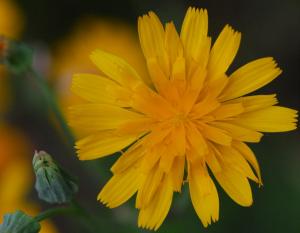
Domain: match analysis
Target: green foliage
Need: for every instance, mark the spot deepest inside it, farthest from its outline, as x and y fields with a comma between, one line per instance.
x=19, y=222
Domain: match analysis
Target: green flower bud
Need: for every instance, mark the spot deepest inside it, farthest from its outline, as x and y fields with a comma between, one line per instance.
x=15, y=55
x=19, y=222
x=53, y=184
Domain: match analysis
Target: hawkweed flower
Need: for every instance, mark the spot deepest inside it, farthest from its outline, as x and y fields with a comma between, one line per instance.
x=194, y=117
x=53, y=184
x=19, y=222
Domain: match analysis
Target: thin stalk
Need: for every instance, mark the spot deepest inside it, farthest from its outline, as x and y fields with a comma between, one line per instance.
x=54, y=211
x=86, y=220
x=52, y=102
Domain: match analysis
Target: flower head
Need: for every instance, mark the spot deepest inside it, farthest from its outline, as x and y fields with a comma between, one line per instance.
x=194, y=117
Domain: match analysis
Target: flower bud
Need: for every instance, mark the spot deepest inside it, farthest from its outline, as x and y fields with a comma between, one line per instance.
x=19, y=222
x=53, y=184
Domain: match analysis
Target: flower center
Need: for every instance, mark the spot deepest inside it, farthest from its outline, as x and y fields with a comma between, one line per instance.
x=179, y=118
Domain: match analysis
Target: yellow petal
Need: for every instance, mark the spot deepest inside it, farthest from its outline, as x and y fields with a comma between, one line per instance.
x=149, y=187
x=215, y=134
x=178, y=76
x=158, y=77
x=151, y=33
x=195, y=24
x=115, y=68
x=127, y=159
x=166, y=144
x=102, y=144
x=250, y=77
x=228, y=110
x=96, y=117
x=136, y=126
x=214, y=88
x=204, y=194
x=271, y=119
x=154, y=214
x=151, y=157
x=193, y=89
x=151, y=103
x=178, y=140
x=97, y=89
x=194, y=38
x=173, y=43
x=212, y=158
x=196, y=141
x=166, y=160
x=238, y=132
x=152, y=39
x=120, y=188
x=235, y=185
x=177, y=173
x=255, y=102
x=223, y=52
x=156, y=136
x=249, y=155
x=203, y=107
x=234, y=159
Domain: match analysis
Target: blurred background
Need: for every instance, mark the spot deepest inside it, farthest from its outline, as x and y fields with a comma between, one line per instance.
x=63, y=33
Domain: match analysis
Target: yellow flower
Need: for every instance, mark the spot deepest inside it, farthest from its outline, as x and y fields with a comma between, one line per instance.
x=11, y=23
x=193, y=117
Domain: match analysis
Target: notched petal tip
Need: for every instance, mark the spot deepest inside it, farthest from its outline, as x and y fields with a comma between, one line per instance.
x=94, y=53
x=196, y=9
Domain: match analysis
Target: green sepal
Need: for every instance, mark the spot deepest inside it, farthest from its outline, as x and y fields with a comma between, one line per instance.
x=53, y=184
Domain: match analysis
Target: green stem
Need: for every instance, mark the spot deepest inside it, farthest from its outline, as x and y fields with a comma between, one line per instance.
x=52, y=102
x=54, y=211
x=84, y=217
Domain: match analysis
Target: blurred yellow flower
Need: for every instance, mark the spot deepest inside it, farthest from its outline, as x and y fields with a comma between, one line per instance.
x=11, y=25
x=12, y=21
x=193, y=117
x=109, y=35
x=16, y=175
